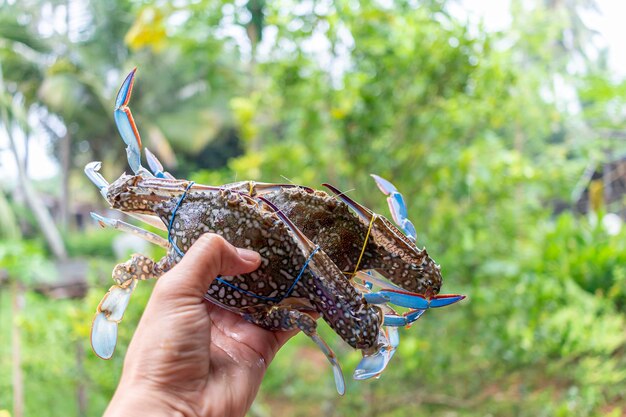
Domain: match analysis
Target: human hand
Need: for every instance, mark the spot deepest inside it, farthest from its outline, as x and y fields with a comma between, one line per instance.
x=189, y=357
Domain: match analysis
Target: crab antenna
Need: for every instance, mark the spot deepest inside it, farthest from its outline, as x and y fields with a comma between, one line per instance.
x=126, y=124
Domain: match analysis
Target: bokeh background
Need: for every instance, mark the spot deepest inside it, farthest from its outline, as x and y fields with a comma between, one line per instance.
x=503, y=125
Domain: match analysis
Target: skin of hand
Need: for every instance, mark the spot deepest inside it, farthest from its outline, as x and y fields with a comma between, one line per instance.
x=189, y=357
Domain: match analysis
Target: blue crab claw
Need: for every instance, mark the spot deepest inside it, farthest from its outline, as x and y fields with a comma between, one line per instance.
x=91, y=170
x=406, y=319
x=109, y=313
x=126, y=124
x=372, y=366
x=443, y=300
x=411, y=300
x=155, y=166
x=398, y=297
x=397, y=206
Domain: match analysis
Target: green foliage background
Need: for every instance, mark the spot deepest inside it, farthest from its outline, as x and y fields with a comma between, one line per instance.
x=470, y=125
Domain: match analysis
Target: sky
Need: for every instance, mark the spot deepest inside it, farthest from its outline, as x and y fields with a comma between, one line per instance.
x=495, y=16
x=609, y=24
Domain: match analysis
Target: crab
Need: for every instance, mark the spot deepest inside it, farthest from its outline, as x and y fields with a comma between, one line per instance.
x=364, y=245
x=302, y=273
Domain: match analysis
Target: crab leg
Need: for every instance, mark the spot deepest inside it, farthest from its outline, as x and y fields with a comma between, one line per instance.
x=290, y=319
x=261, y=188
x=156, y=167
x=253, y=188
x=370, y=277
x=151, y=220
x=108, y=314
x=126, y=123
x=129, y=228
x=397, y=206
x=111, y=309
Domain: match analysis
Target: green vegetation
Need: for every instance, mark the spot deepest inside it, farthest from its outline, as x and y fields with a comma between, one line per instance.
x=472, y=126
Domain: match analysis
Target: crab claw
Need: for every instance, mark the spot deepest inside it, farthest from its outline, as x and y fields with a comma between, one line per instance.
x=126, y=124
x=443, y=300
x=108, y=314
x=411, y=300
x=372, y=366
x=91, y=170
x=397, y=206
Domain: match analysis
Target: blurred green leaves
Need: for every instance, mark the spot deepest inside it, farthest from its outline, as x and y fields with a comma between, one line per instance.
x=470, y=126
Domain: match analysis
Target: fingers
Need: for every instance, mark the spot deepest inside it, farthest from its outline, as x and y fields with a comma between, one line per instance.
x=209, y=257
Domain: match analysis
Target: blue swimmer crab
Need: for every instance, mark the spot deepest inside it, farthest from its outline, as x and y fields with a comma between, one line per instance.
x=297, y=277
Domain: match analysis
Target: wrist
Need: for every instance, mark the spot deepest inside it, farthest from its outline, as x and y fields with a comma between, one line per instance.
x=136, y=401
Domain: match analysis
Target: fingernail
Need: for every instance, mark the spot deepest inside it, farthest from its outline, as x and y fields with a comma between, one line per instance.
x=248, y=255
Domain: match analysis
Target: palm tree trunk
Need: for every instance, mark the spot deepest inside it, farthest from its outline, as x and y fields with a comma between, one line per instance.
x=44, y=219
x=16, y=350
x=81, y=389
x=65, y=180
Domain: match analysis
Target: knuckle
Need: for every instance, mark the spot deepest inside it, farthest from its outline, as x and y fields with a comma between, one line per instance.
x=211, y=241
x=212, y=248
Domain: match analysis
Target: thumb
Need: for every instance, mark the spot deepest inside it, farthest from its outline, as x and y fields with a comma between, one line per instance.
x=211, y=255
